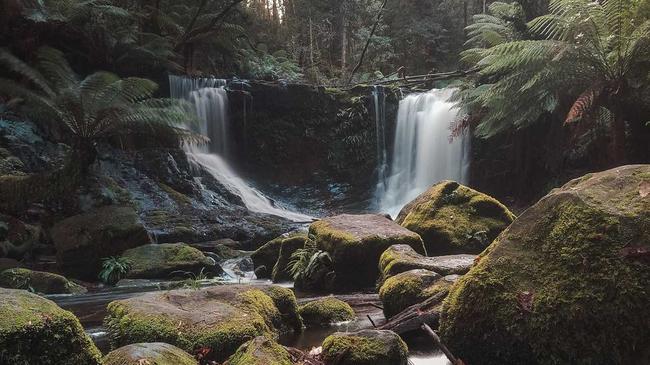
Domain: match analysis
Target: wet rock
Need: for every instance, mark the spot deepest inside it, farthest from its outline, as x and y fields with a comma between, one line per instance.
x=6, y=263
x=219, y=319
x=411, y=287
x=157, y=261
x=260, y=351
x=325, y=311
x=82, y=241
x=452, y=218
x=567, y=282
x=34, y=330
x=355, y=243
x=275, y=255
x=367, y=347
x=157, y=353
x=401, y=258
x=17, y=238
x=38, y=281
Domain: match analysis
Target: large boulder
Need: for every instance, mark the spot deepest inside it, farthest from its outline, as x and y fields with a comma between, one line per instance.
x=401, y=258
x=367, y=347
x=34, y=330
x=217, y=319
x=38, y=281
x=411, y=287
x=452, y=218
x=325, y=311
x=261, y=351
x=355, y=243
x=157, y=353
x=156, y=261
x=16, y=237
x=82, y=241
x=567, y=282
x=271, y=260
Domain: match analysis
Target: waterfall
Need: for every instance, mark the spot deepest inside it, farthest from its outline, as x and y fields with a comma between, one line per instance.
x=210, y=99
x=423, y=153
x=379, y=102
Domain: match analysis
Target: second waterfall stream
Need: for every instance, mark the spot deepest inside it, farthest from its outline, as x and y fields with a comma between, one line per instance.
x=423, y=152
x=210, y=99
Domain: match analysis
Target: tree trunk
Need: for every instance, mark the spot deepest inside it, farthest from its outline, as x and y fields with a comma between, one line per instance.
x=617, y=145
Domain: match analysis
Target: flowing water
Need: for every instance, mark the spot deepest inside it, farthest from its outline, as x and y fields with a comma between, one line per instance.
x=423, y=152
x=210, y=99
x=379, y=102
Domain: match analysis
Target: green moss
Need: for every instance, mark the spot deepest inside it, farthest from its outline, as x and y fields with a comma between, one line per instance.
x=222, y=338
x=365, y=348
x=161, y=260
x=179, y=198
x=355, y=244
x=257, y=301
x=152, y=353
x=34, y=330
x=288, y=246
x=285, y=301
x=326, y=311
x=452, y=218
x=557, y=286
x=261, y=351
x=38, y=281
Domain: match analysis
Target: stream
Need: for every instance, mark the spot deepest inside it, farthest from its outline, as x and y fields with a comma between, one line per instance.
x=90, y=308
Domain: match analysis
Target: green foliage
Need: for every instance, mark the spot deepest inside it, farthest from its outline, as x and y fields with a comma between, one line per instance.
x=593, y=55
x=114, y=269
x=307, y=260
x=264, y=66
x=98, y=106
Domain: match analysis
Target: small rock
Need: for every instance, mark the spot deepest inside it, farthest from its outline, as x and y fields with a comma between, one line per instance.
x=401, y=258
x=39, y=281
x=367, y=347
x=325, y=311
x=157, y=353
x=260, y=351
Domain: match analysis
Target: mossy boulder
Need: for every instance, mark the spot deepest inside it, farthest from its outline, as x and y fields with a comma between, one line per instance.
x=567, y=282
x=34, y=330
x=38, y=281
x=411, y=287
x=157, y=353
x=325, y=311
x=217, y=318
x=401, y=258
x=274, y=258
x=155, y=261
x=355, y=243
x=367, y=347
x=82, y=241
x=260, y=351
x=452, y=218
x=16, y=237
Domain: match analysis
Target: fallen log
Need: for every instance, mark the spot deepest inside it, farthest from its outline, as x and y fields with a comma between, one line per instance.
x=441, y=346
x=413, y=317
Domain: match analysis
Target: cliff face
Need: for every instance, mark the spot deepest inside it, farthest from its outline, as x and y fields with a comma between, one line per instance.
x=319, y=144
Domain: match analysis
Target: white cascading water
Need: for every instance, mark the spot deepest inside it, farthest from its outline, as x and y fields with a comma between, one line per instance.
x=210, y=99
x=423, y=153
x=379, y=102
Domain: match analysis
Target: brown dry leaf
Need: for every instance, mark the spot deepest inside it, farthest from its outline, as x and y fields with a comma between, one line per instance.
x=644, y=189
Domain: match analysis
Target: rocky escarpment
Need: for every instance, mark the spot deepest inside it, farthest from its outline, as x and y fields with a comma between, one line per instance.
x=567, y=282
x=315, y=144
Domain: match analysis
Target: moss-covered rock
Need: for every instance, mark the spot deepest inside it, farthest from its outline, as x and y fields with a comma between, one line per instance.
x=367, y=347
x=39, y=281
x=217, y=318
x=270, y=254
x=155, y=261
x=567, y=282
x=411, y=287
x=355, y=243
x=16, y=237
x=401, y=258
x=289, y=245
x=260, y=351
x=325, y=311
x=156, y=353
x=452, y=218
x=82, y=241
x=34, y=330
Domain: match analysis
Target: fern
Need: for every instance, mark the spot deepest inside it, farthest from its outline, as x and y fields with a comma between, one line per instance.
x=114, y=269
